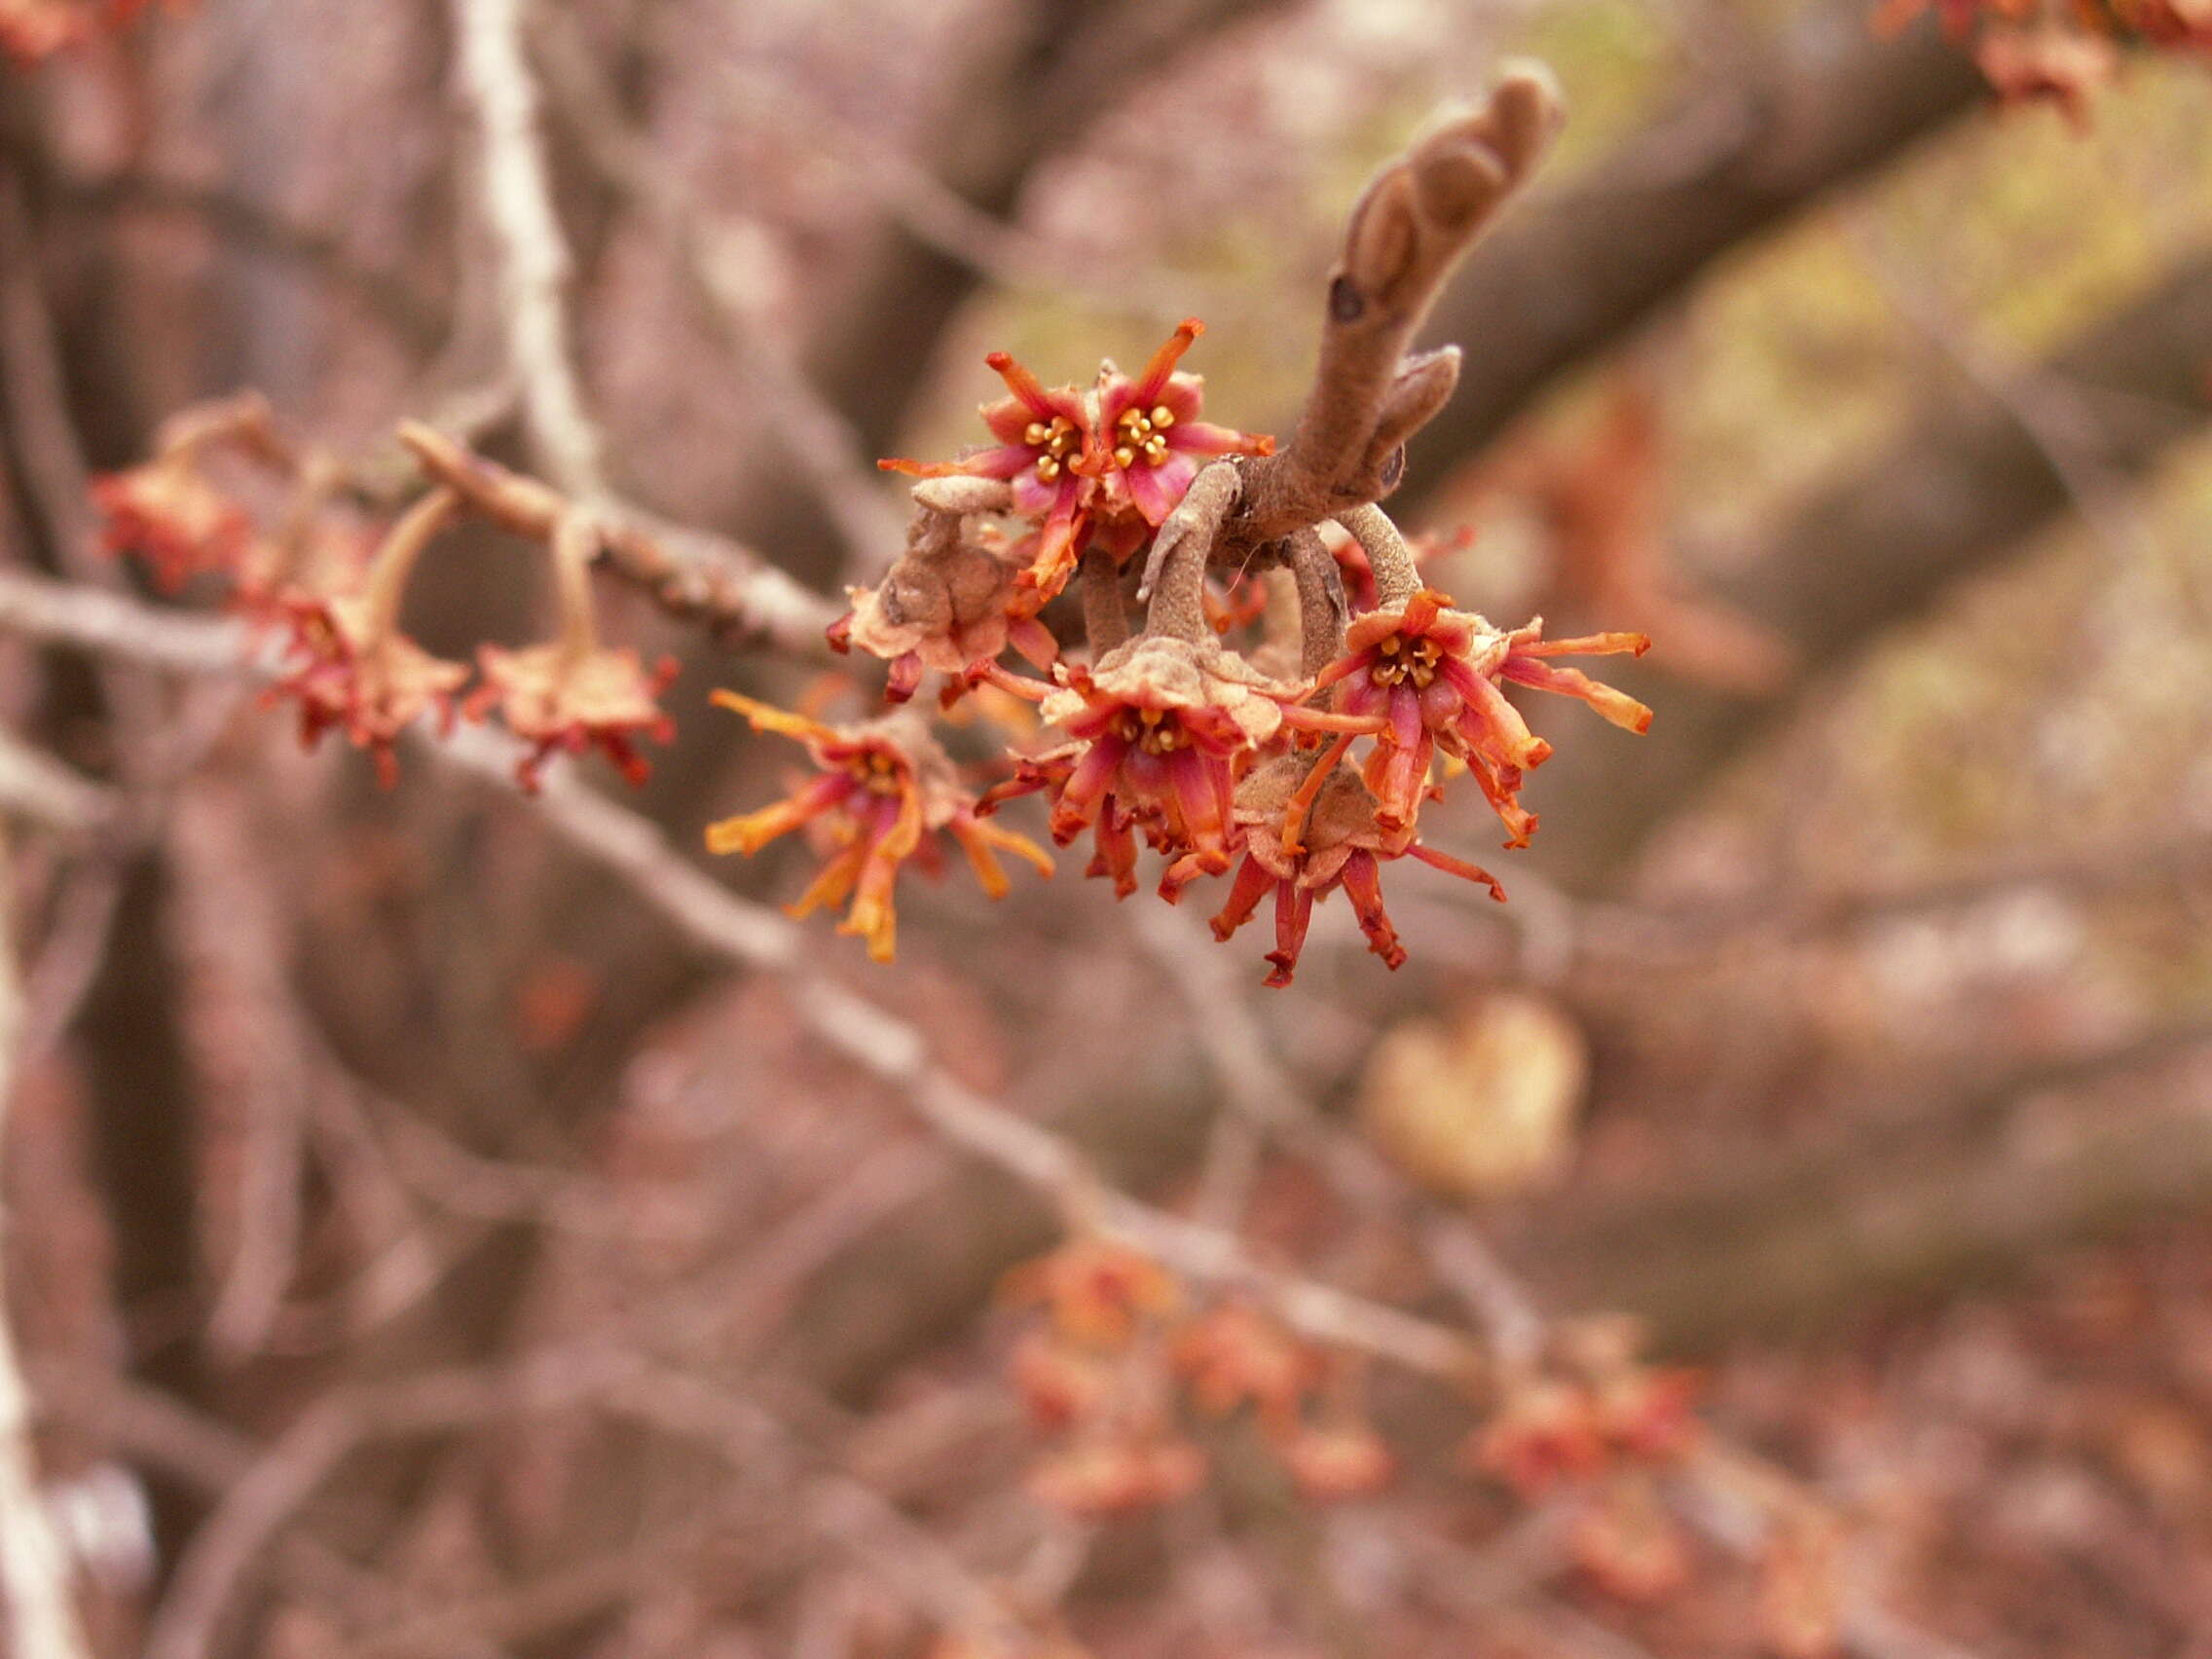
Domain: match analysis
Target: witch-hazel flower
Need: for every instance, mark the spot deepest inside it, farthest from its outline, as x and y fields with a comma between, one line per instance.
x=1149, y=431
x=1304, y=836
x=351, y=669
x=885, y=789
x=1162, y=727
x=1043, y=434
x=574, y=692
x=168, y=512
x=1431, y=676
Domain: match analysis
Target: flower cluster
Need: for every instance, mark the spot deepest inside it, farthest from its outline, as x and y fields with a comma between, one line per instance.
x=1297, y=765
x=1103, y=467
x=170, y=514
x=1120, y=1370
x=1555, y=1430
x=1127, y=1380
x=1431, y=676
x=350, y=668
x=33, y=31
x=1593, y=1433
x=880, y=794
x=2058, y=52
x=179, y=512
x=331, y=590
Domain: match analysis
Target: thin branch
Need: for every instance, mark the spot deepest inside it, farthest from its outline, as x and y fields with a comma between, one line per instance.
x=887, y=1047
x=1730, y=160
x=835, y=1505
x=1258, y=1088
x=232, y=937
x=690, y=573
x=898, y=1052
x=515, y=1613
x=108, y=624
x=262, y=1496
x=42, y=1618
x=820, y=442
x=533, y=264
x=1960, y=490
x=289, y=1472
x=42, y=790
x=2046, y=408
x=687, y=570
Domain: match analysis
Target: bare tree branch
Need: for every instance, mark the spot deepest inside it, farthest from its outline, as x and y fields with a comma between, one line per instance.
x=820, y=443
x=534, y=269
x=878, y=1041
x=41, y=1614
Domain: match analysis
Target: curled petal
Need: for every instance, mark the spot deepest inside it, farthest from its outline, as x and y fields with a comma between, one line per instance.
x=1251, y=885
x=1294, y=913
x=834, y=884
x=983, y=842
x=1202, y=792
x=750, y=831
x=1615, y=644
x=1006, y=460
x=1203, y=437
x=1153, y=382
x=1363, y=886
x=1494, y=726
x=1029, y=392
x=766, y=716
x=1459, y=868
x=1086, y=788
x=1616, y=705
x=1114, y=856
x=1321, y=719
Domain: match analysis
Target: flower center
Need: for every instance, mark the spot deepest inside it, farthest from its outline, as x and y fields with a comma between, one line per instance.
x=1139, y=436
x=1155, y=732
x=1398, y=661
x=1060, y=443
x=876, y=771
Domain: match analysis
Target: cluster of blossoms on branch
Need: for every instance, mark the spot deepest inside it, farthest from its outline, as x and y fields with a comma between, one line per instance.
x=1251, y=681
x=33, y=31
x=1129, y=1376
x=1297, y=765
x=2058, y=52
x=322, y=580
x=1266, y=690
x=1121, y=1366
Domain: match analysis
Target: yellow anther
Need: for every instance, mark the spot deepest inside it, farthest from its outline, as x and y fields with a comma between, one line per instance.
x=1163, y=416
x=1048, y=467
x=1389, y=646
x=1124, y=456
x=1036, y=432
